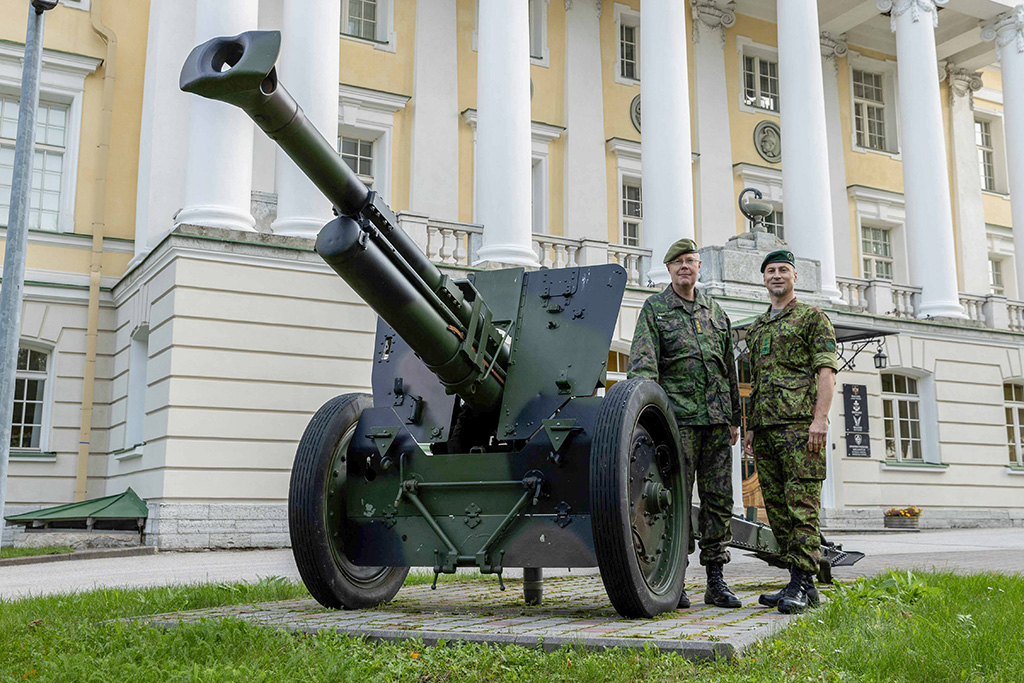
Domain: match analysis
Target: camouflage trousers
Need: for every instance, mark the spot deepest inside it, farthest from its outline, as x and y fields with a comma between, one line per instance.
x=790, y=478
x=708, y=458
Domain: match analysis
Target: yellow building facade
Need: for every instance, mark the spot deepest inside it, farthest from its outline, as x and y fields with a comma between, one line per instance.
x=215, y=337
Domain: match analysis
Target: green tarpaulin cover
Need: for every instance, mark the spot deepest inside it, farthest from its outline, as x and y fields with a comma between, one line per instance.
x=123, y=506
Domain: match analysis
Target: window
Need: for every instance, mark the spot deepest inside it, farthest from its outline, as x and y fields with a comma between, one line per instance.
x=986, y=154
x=995, y=276
x=869, y=109
x=361, y=19
x=538, y=30
x=876, y=250
x=627, y=36
x=761, y=82
x=539, y=196
x=632, y=213
x=773, y=224
x=358, y=154
x=901, y=417
x=29, y=399
x=135, y=411
x=1013, y=398
x=47, y=165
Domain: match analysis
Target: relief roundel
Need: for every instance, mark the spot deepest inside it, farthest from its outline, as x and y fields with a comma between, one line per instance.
x=768, y=141
x=634, y=112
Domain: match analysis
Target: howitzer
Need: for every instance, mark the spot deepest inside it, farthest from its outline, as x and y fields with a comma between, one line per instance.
x=485, y=443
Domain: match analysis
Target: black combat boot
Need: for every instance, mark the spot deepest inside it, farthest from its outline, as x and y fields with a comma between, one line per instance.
x=796, y=596
x=772, y=599
x=718, y=593
x=684, y=600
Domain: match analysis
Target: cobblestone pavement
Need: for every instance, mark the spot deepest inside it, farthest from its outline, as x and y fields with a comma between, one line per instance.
x=575, y=609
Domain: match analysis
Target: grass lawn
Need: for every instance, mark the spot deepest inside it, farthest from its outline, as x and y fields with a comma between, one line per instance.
x=923, y=627
x=6, y=552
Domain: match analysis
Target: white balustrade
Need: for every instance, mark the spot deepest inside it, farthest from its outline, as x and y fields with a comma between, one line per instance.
x=555, y=252
x=905, y=300
x=1015, y=310
x=974, y=307
x=854, y=292
x=448, y=242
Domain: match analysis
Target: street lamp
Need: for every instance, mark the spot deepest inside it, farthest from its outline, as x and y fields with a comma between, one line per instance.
x=881, y=360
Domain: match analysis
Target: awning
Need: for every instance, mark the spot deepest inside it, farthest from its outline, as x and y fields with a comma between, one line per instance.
x=123, y=511
x=850, y=339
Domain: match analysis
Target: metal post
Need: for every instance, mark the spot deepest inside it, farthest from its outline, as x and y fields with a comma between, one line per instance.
x=13, y=283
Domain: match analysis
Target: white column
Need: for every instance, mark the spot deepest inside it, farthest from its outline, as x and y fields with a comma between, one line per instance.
x=972, y=247
x=716, y=200
x=309, y=68
x=503, y=134
x=805, y=169
x=164, y=123
x=434, y=176
x=218, y=175
x=929, y=224
x=667, y=172
x=831, y=50
x=586, y=180
x=1008, y=32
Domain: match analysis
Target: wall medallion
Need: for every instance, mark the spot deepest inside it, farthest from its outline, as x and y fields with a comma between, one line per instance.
x=634, y=112
x=768, y=141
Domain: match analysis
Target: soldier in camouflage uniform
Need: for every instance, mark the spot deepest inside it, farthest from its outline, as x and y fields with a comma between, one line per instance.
x=793, y=362
x=683, y=342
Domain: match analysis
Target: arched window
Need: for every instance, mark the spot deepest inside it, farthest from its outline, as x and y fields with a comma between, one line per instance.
x=1013, y=401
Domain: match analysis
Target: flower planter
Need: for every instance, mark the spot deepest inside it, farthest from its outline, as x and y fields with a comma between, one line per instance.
x=898, y=522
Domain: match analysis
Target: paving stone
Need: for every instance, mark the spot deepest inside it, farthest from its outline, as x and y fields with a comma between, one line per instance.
x=575, y=611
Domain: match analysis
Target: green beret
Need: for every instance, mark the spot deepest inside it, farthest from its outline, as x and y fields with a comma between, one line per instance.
x=780, y=256
x=680, y=247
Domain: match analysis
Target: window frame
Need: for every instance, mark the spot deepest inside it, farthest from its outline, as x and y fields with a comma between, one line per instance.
x=775, y=225
x=1000, y=187
x=986, y=153
x=384, y=38
x=881, y=209
x=370, y=115
x=1015, y=422
x=886, y=70
x=995, y=272
x=135, y=396
x=44, y=150
x=628, y=180
x=746, y=47
x=874, y=258
x=863, y=108
x=895, y=398
x=759, y=61
x=61, y=81
x=625, y=15
x=47, y=400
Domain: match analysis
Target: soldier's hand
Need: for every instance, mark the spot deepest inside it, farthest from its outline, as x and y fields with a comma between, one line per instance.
x=748, y=442
x=734, y=435
x=818, y=436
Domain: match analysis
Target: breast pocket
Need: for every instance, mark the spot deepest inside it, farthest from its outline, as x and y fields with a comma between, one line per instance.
x=794, y=395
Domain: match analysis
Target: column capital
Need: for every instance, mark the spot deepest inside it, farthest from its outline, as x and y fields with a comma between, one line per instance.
x=962, y=82
x=710, y=17
x=1005, y=29
x=832, y=48
x=897, y=8
x=568, y=6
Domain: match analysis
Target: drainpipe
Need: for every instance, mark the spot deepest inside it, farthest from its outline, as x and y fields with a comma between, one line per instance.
x=96, y=262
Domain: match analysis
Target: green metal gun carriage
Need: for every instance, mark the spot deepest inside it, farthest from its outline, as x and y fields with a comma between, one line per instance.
x=484, y=443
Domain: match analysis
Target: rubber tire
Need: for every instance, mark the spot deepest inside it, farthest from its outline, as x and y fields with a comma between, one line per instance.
x=617, y=420
x=322, y=566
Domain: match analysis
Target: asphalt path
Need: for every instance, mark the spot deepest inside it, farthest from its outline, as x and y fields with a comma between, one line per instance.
x=961, y=550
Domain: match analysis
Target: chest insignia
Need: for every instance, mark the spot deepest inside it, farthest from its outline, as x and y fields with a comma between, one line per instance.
x=765, y=346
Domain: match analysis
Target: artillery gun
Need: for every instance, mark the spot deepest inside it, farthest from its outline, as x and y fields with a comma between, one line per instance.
x=485, y=443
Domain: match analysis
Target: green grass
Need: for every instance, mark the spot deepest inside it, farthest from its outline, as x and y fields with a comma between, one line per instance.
x=926, y=627
x=6, y=552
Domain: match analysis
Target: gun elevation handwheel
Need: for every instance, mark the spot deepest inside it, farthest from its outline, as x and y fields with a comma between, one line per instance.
x=640, y=509
x=316, y=513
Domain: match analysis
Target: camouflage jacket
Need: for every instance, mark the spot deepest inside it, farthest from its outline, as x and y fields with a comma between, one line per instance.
x=690, y=355
x=785, y=356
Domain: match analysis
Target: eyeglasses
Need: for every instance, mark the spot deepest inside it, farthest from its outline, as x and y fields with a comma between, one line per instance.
x=692, y=261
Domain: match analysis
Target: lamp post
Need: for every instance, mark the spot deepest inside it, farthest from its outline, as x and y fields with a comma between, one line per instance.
x=13, y=284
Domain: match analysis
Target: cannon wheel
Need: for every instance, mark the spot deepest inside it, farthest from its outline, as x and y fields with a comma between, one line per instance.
x=316, y=513
x=640, y=510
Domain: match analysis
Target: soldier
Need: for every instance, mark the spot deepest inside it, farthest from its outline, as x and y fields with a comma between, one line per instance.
x=792, y=350
x=683, y=342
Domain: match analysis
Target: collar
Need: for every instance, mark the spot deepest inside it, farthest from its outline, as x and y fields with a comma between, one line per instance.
x=785, y=311
x=676, y=301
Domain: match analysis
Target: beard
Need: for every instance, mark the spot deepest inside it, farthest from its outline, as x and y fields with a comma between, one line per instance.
x=780, y=289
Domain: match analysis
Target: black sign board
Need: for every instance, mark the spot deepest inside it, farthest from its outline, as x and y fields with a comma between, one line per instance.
x=855, y=404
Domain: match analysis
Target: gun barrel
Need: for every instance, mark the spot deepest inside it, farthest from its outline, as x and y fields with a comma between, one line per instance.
x=375, y=256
